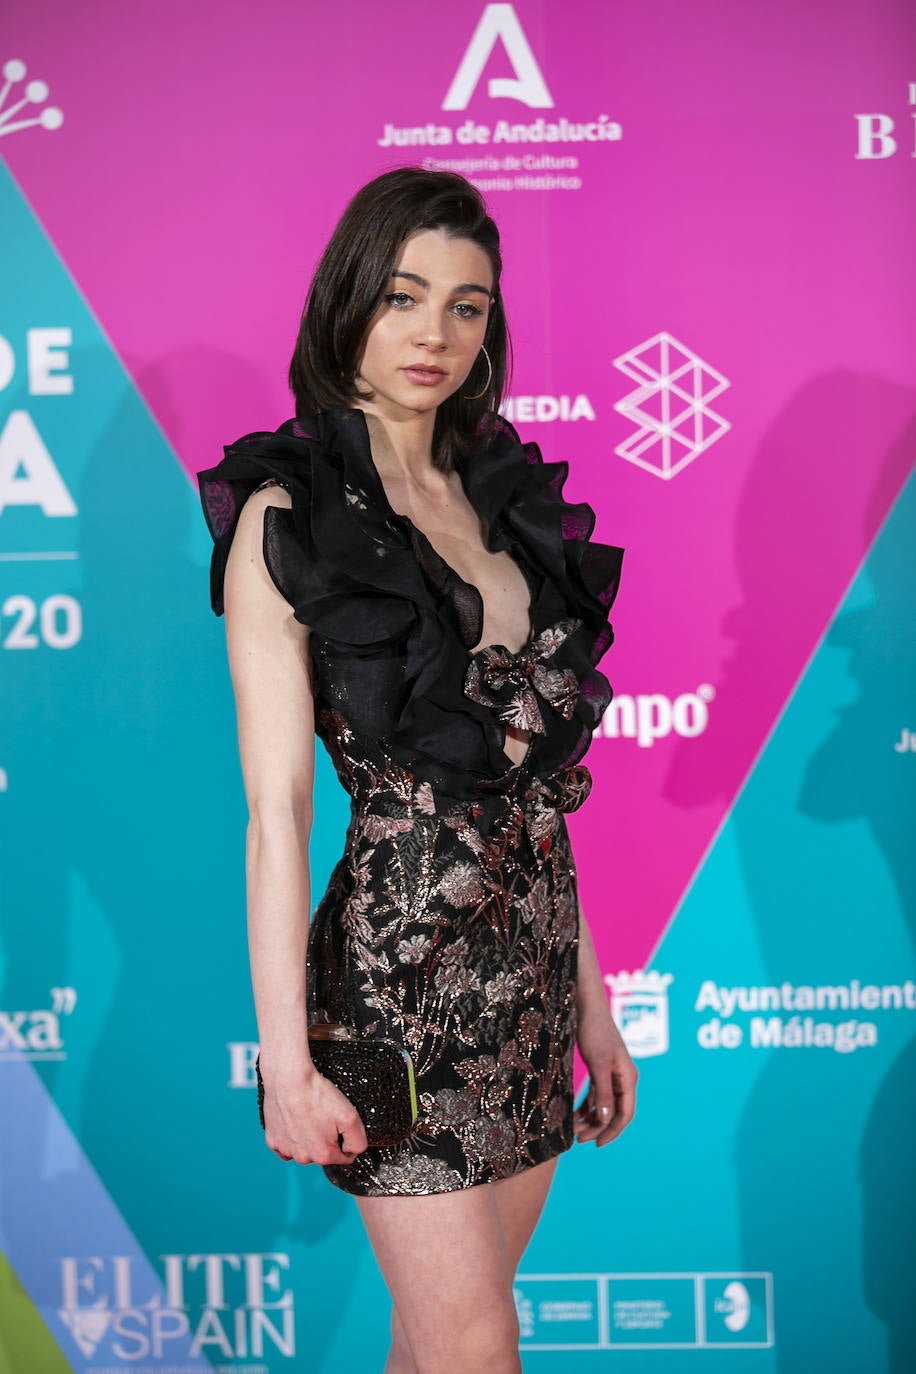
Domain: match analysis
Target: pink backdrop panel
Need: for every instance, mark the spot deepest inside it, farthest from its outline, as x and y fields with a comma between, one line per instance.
x=207, y=151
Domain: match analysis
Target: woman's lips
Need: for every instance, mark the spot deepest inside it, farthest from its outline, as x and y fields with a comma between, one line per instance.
x=424, y=376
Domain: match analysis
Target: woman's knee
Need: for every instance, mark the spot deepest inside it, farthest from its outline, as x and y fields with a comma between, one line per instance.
x=459, y=1316
x=483, y=1340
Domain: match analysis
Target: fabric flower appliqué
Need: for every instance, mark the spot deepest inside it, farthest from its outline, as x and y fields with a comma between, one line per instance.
x=510, y=684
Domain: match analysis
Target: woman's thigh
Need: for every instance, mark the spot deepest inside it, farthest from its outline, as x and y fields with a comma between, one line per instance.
x=520, y=1201
x=449, y=1260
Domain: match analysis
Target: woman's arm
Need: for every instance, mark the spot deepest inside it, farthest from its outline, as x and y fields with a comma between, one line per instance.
x=269, y=661
x=611, y=1100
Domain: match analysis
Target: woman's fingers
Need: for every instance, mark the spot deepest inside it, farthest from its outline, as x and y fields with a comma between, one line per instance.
x=319, y=1152
x=612, y=1077
x=593, y=1118
x=351, y=1140
x=320, y=1127
x=623, y=1086
x=610, y=1106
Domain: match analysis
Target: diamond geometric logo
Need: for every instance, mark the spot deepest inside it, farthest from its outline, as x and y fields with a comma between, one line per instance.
x=670, y=405
x=35, y=92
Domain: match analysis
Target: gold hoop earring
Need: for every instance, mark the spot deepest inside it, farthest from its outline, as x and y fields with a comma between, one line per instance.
x=486, y=387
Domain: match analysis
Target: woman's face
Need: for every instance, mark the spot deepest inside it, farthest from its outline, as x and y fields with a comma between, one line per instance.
x=426, y=335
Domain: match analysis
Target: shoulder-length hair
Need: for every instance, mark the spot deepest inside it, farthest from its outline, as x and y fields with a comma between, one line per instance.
x=350, y=283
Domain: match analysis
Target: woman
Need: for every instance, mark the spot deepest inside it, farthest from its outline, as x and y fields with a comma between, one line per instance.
x=401, y=576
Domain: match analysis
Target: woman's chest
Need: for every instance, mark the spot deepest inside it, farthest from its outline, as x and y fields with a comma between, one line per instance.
x=454, y=539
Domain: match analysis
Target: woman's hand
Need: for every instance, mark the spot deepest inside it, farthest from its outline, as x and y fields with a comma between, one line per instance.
x=308, y=1119
x=611, y=1100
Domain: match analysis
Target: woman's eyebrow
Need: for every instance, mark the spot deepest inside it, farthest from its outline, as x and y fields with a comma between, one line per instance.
x=460, y=290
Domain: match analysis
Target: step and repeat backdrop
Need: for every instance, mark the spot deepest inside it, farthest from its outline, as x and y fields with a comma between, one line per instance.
x=708, y=221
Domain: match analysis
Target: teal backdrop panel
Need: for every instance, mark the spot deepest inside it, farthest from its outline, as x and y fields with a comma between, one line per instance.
x=122, y=944
x=770, y=1165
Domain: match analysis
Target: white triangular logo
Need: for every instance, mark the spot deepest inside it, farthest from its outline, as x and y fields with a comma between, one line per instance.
x=87, y=1326
x=499, y=22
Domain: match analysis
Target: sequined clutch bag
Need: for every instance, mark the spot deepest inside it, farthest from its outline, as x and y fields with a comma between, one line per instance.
x=375, y=1074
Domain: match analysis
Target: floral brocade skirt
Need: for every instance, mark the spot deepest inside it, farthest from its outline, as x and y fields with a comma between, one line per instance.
x=452, y=929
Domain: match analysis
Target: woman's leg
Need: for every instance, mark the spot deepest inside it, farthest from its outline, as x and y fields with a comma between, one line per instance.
x=449, y=1261
x=520, y=1200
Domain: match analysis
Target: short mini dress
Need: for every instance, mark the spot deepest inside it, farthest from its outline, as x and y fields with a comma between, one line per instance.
x=450, y=923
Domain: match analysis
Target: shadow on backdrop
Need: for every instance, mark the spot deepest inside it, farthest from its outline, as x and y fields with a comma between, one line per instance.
x=858, y=774
x=811, y=889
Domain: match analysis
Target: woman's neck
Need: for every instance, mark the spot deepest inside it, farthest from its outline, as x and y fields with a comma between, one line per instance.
x=403, y=447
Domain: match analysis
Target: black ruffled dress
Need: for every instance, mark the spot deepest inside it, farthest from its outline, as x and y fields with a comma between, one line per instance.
x=450, y=924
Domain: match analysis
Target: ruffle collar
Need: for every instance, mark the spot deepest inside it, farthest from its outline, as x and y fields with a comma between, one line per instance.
x=488, y=479
x=349, y=564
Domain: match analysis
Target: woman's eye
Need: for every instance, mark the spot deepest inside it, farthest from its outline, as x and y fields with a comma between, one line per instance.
x=467, y=311
x=399, y=299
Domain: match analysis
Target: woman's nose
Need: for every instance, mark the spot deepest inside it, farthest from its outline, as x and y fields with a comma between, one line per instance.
x=432, y=330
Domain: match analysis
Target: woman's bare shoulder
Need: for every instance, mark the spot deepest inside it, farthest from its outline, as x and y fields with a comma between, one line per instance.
x=251, y=519
x=246, y=562
x=270, y=493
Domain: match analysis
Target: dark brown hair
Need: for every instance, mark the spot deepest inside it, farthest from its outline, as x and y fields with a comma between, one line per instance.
x=350, y=283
